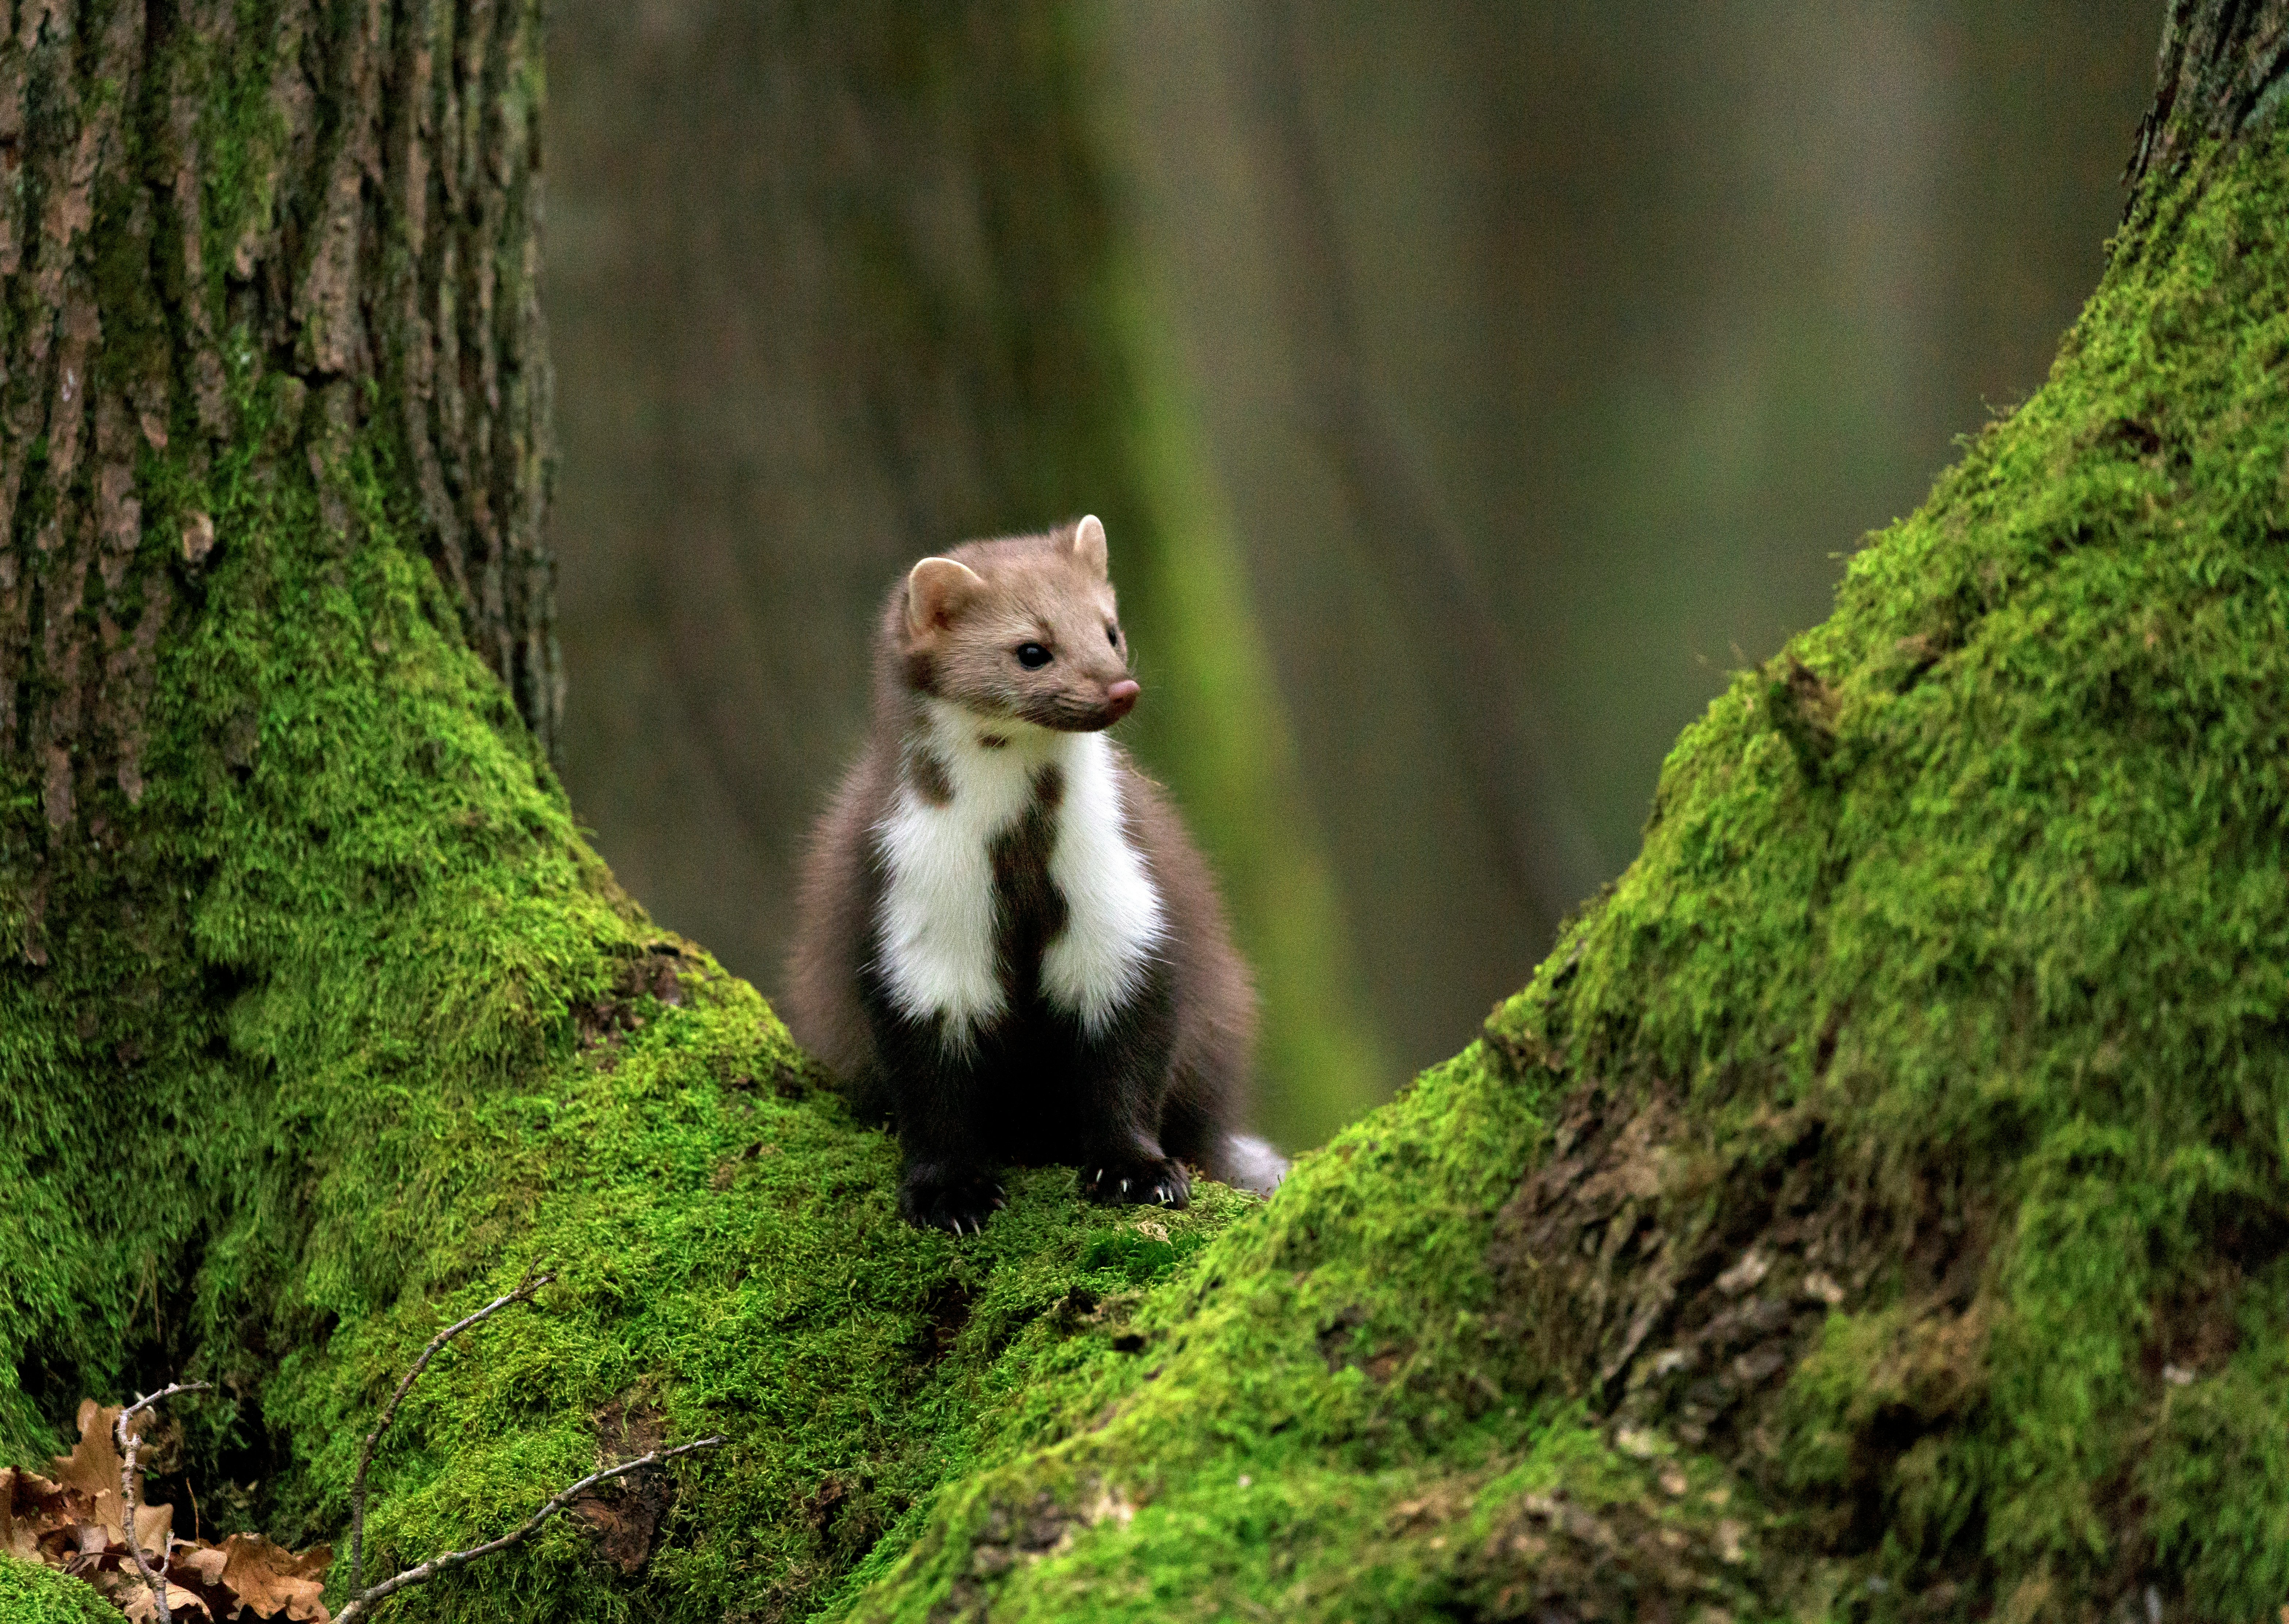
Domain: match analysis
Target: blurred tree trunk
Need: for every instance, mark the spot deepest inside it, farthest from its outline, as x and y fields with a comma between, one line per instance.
x=1545, y=856
x=835, y=287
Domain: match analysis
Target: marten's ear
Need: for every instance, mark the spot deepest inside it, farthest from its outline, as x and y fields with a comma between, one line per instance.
x=935, y=589
x=1089, y=546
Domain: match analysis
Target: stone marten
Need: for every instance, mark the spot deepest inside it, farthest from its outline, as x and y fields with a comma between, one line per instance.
x=1006, y=945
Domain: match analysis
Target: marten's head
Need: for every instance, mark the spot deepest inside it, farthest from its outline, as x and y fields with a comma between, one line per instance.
x=1021, y=629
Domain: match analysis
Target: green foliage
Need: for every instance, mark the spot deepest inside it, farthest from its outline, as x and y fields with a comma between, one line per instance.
x=30, y=1594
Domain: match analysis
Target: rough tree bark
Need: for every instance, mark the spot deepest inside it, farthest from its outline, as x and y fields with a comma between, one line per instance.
x=213, y=200
x=1878, y=1205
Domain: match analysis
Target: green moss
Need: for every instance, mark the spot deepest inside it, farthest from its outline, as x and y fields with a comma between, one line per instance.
x=1322, y=1417
x=32, y=1594
x=241, y=131
x=2217, y=1473
x=1307, y=1373
x=2031, y=930
x=353, y=1030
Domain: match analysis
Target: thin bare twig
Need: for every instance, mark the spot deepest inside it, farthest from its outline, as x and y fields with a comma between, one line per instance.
x=128, y=1445
x=522, y=1293
x=362, y=1604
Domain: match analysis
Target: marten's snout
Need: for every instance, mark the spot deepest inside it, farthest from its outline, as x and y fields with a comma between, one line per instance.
x=1120, y=698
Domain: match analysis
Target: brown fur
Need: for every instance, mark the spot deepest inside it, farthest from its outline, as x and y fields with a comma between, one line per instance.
x=949, y=634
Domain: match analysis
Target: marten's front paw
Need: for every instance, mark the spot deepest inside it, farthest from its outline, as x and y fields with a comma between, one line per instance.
x=961, y=1202
x=1144, y=1181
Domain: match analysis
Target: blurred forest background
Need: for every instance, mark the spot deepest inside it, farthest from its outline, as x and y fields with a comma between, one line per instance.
x=1467, y=388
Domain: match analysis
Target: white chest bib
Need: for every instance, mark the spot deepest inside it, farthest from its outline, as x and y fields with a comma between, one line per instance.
x=936, y=927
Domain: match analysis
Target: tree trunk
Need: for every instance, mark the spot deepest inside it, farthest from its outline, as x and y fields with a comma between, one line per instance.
x=270, y=321
x=325, y=216
x=1546, y=859
x=1878, y=1204
x=2219, y=80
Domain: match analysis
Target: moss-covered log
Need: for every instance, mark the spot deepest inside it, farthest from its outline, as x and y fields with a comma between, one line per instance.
x=1876, y=1206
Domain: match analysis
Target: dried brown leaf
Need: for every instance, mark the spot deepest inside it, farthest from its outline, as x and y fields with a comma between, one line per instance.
x=73, y=1524
x=31, y=1506
x=154, y=1526
x=141, y=1606
x=204, y=1561
x=92, y=1469
x=275, y=1582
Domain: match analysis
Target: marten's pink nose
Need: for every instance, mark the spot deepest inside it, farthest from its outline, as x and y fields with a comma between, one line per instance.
x=1120, y=698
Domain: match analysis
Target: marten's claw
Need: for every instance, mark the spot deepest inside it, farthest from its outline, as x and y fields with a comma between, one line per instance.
x=959, y=1204
x=1146, y=1180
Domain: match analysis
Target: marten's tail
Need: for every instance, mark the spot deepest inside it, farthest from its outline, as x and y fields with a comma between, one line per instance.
x=1246, y=1162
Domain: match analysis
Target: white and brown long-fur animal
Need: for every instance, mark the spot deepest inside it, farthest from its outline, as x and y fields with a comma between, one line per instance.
x=1006, y=943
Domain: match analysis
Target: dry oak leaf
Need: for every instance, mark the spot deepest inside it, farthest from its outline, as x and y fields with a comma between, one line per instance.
x=93, y=1469
x=74, y=1524
x=31, y=1508
x=203, y=1563
x=273, y=1583
x=141, y=1607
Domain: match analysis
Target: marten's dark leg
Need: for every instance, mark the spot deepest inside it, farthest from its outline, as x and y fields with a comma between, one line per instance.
x=936, y=1099
x=1191, y=1126
x=1122, y=1079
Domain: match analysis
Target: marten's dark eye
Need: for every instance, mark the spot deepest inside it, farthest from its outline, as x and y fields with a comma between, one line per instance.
x=1032, y=656
x=1113, y=634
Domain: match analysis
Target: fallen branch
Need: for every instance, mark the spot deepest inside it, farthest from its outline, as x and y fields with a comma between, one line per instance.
x=363, y=1598
x=128, y=1443
x=522, y=1293
x=363, y=1601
